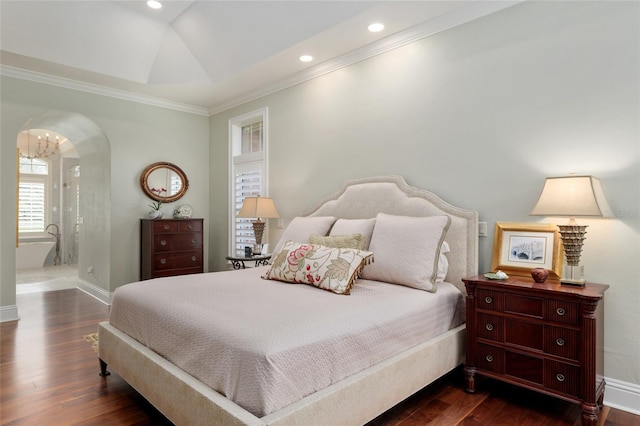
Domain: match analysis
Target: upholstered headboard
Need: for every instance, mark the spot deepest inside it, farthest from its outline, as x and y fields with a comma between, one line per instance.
x=366, y=197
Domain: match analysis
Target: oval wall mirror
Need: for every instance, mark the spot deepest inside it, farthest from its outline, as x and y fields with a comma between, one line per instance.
x=167, y=176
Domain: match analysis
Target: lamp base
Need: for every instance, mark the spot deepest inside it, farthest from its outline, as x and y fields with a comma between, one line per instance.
x=573, y=275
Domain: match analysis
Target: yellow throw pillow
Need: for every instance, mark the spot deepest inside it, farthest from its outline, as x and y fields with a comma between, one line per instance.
x=354, y=241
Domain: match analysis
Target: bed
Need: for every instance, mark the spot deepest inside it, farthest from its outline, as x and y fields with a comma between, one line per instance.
x=366, y=348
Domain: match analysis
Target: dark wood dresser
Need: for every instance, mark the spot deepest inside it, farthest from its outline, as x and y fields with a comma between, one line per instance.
x=170, y=247
x=545, y=337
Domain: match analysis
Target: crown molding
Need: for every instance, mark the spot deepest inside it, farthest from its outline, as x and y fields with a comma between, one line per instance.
x=95, y=89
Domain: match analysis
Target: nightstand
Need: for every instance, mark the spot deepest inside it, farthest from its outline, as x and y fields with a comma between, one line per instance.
x=544, y=337
x=238, y=262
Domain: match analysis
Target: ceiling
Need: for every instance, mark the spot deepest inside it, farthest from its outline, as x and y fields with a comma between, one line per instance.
x=207, y=56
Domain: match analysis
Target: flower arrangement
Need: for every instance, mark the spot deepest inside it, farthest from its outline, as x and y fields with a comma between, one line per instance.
x=158, y=203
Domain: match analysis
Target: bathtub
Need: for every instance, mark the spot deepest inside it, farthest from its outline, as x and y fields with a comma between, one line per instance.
x=33, y=255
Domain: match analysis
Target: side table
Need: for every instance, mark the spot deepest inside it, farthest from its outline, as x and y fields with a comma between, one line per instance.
x=544, y=337
x=238, y=261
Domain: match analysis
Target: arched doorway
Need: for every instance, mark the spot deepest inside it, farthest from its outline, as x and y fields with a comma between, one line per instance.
x=92, y=220
x=48, y=212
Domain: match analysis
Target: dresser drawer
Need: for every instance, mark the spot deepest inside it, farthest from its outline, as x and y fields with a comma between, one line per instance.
x=177, y=242
x=489, y=300
x=523, y=305
x=185, y=259
x=562, y=312
x=561, y=377
x=166, y=226
x=173, y=272
x=561, y=341
x=523, y=367
x=490, y=358
x=524, y=333
x=190, y=226
x=490, y=327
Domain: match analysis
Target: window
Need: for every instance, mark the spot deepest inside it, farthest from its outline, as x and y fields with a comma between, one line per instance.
x=33, y=197
x=248, y=142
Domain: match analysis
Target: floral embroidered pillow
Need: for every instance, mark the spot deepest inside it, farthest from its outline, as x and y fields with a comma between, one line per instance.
x=328, y=268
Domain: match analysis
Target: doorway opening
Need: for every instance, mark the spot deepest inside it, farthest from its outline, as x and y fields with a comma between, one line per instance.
x=48, y=212
x=75, y=213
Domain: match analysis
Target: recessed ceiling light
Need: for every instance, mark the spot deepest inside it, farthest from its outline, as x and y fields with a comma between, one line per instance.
x=306, y=58
x=376, y=27
x=154, y=4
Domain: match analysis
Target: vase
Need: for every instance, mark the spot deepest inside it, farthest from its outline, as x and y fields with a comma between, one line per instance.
x=155, y=214
x=539, y=275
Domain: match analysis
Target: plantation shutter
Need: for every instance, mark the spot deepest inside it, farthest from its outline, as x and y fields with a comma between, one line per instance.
x=248, y=183
x=31, y=207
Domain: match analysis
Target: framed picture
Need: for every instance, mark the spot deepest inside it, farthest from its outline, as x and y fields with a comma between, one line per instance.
x=520, y=247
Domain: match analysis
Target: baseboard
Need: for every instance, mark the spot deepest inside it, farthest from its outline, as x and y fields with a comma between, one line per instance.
x=622, y=395
x=97, y=292
x=9, y=313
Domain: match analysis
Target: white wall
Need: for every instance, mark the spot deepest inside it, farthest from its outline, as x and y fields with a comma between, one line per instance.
x=479, y=114
x=137, y=135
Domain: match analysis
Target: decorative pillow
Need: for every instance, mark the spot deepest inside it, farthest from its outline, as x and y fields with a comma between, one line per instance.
x=355, y=226
x=407, y=250
x=354, y=241
x=328, y=268
x=301, y=228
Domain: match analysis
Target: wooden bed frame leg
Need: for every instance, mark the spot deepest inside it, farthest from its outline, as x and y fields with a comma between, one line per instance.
x=469, y=373
x=103, y=368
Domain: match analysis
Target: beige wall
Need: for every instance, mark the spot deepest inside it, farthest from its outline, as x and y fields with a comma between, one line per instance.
x=479, y=114
x=126, y=137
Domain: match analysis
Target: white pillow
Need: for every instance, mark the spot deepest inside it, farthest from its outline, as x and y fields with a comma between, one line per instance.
x=443, y=262
x=301, y=228
x=407, y=250
x=355, y=226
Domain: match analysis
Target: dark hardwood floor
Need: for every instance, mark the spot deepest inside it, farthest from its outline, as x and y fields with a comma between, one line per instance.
x=49, y=376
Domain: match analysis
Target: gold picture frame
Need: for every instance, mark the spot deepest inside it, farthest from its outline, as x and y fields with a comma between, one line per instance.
x=520, y=247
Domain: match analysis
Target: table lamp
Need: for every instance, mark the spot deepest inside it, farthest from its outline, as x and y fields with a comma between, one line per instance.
x=571, y=196
x=258, y=208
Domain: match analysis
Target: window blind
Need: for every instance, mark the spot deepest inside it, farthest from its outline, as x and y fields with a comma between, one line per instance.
x=31, y=207
x=248, y=183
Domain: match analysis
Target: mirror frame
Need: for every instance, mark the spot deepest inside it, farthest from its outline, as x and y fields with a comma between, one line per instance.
x=144, y=177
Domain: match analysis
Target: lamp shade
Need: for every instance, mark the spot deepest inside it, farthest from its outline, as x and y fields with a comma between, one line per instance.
x=258, y=207
x=572, y=196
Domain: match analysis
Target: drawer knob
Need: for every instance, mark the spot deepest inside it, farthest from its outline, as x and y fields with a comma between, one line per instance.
x=488, y=300
x=489, y=327
x=163, y=261
x=560, y=377
x=193, y=242
x=189, y=226
x=560, y=342
x=193, y=258
x=560, y=311
x=163, y=243
x=489, y=358
x=166, y=226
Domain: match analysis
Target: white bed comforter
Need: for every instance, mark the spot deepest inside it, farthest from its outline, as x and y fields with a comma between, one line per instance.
x=265, y=344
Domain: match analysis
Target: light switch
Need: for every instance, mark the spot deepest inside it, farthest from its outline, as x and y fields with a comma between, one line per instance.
x=482, y=229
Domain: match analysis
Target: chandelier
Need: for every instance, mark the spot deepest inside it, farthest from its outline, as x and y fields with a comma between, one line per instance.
x=39, y=148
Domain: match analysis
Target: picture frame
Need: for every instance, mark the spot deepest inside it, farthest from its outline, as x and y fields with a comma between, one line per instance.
x=520, y=247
